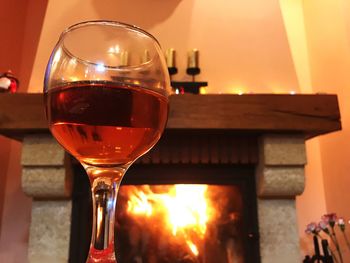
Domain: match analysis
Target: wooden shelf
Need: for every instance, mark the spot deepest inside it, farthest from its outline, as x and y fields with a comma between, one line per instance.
x=311, y=115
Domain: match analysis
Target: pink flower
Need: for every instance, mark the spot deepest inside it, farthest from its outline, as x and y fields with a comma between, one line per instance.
x=307, y=231
x=341, y=223
x=323, y=226
x=312, y=228
x=329, y=219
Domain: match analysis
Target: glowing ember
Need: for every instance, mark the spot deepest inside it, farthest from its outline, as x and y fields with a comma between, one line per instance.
x=184, y=208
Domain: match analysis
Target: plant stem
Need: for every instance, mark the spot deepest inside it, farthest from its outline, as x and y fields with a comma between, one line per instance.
x=346, y=240
x=335, y=240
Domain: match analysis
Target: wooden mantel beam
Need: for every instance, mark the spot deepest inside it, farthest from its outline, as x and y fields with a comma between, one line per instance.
x=311, y=115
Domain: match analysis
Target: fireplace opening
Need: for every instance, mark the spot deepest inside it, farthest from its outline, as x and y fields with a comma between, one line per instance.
x=178, y=213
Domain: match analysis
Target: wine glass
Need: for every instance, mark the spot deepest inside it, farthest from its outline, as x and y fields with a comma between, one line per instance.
x=106, y=87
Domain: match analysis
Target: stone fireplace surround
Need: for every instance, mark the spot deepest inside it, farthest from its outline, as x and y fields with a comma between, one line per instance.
x=280, y=124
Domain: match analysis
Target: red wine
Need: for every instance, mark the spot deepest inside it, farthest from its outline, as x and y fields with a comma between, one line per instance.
x=102, y=123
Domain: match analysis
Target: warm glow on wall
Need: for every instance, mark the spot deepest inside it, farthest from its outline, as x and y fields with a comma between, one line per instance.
x=239, y=90
x=240, y=41
x=293, y=17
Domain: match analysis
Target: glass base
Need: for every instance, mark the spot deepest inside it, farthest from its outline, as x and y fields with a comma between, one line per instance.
x=102, y=256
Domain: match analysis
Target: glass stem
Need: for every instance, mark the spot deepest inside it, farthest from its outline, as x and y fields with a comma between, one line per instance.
x=104, y=188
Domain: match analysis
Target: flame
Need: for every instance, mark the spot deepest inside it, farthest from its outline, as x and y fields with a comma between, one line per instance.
x=188, y=208
x=193, y=248
x=184, y=207
x=139, y=204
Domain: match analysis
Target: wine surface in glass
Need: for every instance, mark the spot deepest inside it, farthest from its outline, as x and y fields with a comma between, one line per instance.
x=104, y=123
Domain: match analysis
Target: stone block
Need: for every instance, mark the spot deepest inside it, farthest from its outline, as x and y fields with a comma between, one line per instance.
x=46, y=182
x=282, y=150
x=50, y=231
x=279, y=240
x=42, y=150
x=281, y=181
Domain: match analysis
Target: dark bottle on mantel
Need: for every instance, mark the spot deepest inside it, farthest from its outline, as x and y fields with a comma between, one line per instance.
x=8, y=83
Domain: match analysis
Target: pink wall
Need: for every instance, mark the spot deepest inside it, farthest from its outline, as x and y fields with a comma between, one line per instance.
x=243, y=44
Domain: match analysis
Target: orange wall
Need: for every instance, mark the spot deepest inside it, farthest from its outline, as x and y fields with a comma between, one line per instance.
x=12, y=22
x=243, y=44
x=20, y=29
x=16, y=211
x=327, y=24
x=319, y=36
x=307, y=209
x=4, y=160
x=12, y=29
x=327, y=27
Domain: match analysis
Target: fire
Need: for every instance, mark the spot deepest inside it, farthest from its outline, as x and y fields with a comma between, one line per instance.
x=139, y=204
x=193, y=248
x=185, y=209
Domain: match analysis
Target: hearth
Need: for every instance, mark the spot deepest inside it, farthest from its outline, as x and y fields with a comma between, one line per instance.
x=197, y=204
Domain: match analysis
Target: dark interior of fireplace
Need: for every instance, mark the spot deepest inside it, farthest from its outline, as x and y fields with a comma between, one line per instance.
x=230, y=234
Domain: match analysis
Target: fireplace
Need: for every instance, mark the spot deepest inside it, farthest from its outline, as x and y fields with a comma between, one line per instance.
x=176, y=207
x=205, y=220
x=251, y=147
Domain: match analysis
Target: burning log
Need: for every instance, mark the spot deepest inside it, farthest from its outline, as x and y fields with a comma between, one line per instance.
x=174, y=224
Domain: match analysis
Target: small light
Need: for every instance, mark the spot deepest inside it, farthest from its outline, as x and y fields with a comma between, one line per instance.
x=202, y=90
x=100, y=67
x=238, y=90
x=292, y=92
x=114, y=50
